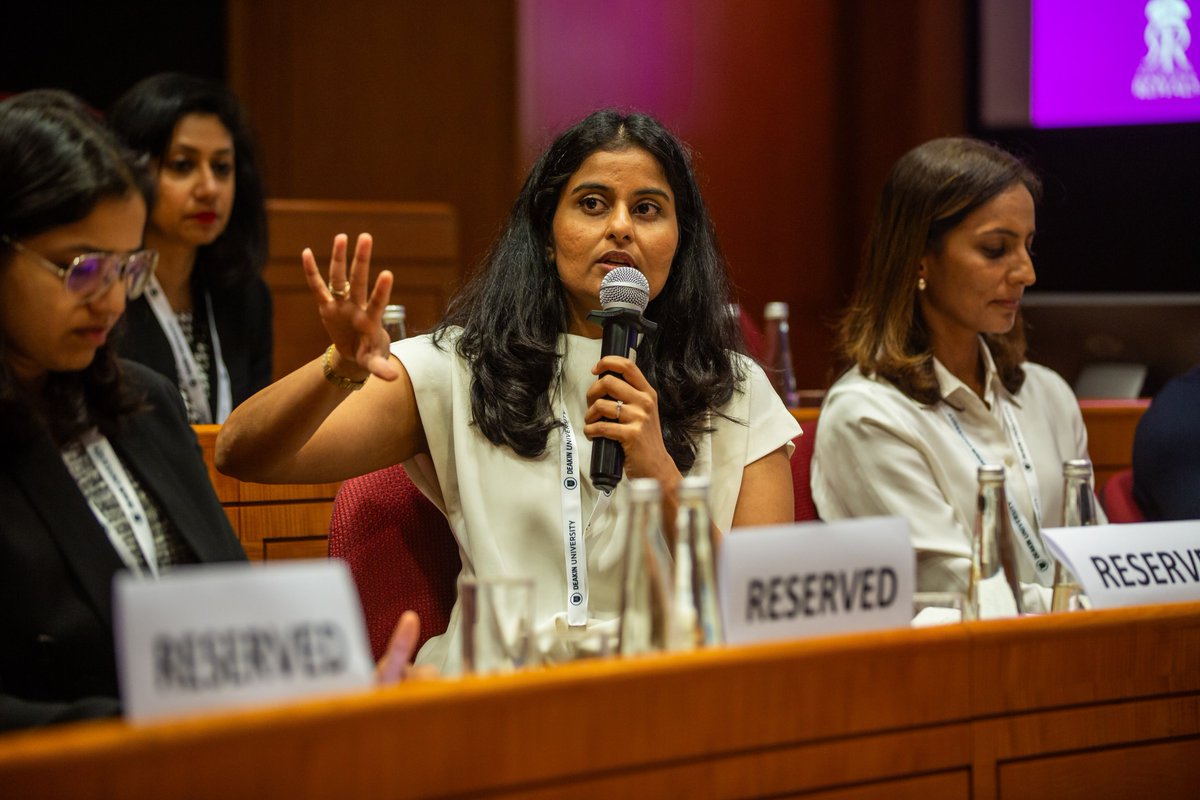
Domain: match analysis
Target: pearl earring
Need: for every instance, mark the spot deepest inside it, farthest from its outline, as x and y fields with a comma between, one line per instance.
x=921, y=284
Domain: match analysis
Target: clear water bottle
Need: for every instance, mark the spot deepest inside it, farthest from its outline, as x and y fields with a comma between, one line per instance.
x=646, y=587
x=993, y=589
x=696, y=614
x=1079, y=508
x=393, y=322
x=777, y=355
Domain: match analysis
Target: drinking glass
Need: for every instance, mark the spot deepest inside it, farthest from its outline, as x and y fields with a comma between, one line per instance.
x=937, y=608
x=497, y=624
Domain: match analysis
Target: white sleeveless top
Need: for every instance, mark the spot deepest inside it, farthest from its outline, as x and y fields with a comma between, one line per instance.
x=506, y=511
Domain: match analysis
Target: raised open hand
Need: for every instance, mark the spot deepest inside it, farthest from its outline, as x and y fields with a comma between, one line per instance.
x=353, y=319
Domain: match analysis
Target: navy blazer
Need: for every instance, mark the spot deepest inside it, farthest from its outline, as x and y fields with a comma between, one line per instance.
x=57, y=659
x=243, y=317
x=1166, y=452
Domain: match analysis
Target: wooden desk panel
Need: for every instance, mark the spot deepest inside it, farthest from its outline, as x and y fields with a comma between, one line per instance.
x=272, y=521
x=1163, y=771
x=1138, y=749
x=1147, y=652
x=1111, y=425
x=886, y=714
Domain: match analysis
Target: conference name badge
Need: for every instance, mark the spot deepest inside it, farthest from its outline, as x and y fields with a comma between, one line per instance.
x=815, y=578
x=1130, y=565
x=217, y=636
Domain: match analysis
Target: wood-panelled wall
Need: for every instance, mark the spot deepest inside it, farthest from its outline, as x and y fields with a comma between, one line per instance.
x=417, y=242
x=795, y=111
x=382, y=100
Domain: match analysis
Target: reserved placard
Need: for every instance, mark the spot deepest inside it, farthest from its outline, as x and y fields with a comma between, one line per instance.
x=1134, y=564
x=814, y=578
x=214, y=636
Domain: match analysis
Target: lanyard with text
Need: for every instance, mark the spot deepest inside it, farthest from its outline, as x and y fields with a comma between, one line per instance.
x=572, y=522
x=185, y=363
x=101, y=452
x=1034, y=549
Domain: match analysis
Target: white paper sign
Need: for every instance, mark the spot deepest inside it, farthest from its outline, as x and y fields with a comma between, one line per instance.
x=814, y=578
x=1134, y=564
x=222, y=635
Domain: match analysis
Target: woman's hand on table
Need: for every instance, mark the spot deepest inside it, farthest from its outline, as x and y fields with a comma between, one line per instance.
x=396, y=663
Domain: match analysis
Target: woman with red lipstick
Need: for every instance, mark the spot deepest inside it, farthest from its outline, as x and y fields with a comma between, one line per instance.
x=99, y=470
x=205, y=320
x=936, y=375
x=490, y=411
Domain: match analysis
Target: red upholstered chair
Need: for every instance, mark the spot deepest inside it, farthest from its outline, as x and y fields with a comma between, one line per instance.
x=1117, y=498
x=400, y=551
x=806, y=509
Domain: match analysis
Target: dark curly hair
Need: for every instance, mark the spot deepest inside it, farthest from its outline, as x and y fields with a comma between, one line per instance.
x=57, y=161
x=514, y=308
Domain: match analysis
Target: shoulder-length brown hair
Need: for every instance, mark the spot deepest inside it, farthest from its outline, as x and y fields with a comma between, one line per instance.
x=930, y=190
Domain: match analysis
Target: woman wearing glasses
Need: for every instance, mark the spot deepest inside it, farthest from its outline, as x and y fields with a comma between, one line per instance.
x=205, y=319
x=99, y=470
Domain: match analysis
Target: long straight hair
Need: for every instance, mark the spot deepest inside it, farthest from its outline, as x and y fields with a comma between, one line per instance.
x=930, y=190
x=57, y=161
x=513, y=310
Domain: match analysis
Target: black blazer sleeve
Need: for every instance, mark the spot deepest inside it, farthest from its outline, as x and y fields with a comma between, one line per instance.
x=57, y=658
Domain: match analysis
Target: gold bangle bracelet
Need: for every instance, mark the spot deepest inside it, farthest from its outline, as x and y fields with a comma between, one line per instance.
x=334, y=378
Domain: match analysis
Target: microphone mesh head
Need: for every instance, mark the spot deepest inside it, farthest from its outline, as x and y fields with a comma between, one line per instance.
x=625, y=287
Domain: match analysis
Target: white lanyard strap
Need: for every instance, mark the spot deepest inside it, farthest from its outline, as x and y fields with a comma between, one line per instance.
x=185, y=362
x=572, y=521
x=1027, y=469
x=1033, y=549
x=104, y=457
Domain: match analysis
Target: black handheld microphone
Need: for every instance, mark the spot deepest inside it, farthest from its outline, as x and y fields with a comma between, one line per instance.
x=624, y=295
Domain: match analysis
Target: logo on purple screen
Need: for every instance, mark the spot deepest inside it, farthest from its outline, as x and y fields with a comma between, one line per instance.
x=1165, y=70
x=1123, y=62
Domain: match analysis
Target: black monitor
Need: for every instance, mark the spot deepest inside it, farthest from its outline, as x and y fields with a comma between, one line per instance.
x=1094, y=340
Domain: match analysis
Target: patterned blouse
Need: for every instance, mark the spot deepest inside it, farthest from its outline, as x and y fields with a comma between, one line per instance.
x=197, y=339
x=169, y=544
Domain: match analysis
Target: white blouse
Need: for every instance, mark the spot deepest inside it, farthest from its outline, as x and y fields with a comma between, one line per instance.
x=506, y=511
x=879, y=452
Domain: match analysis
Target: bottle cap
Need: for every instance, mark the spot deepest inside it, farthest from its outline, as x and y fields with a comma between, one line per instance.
x=645, y=489
x=1077, y=468
x=775, y=310
x=991, y=473
x=694, y=487
x=393, y=313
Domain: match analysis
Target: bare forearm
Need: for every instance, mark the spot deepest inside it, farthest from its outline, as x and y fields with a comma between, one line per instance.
x=263, y=437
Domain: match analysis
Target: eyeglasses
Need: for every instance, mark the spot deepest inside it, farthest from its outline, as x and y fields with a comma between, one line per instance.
x=90, y=274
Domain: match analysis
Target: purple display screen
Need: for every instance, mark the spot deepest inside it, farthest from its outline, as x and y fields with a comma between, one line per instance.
x=1118, y=62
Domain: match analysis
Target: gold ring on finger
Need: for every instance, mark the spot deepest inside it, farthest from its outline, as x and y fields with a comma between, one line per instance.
x=341, y=293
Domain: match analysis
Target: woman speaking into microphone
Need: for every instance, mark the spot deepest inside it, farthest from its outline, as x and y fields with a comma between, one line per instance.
x=494, y=411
